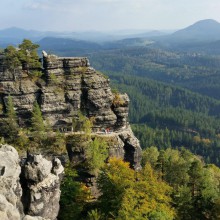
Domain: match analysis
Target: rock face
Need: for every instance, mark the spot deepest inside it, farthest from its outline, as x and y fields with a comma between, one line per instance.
x=10, y=188
x=70, y=85
x=36, y=193
x=73, y=86
x=41, y=184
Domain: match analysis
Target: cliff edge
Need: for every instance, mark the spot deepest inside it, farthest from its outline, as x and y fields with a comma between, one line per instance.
x=69, y=85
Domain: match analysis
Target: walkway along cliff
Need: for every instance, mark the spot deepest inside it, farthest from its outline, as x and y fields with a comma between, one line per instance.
x=70, y=85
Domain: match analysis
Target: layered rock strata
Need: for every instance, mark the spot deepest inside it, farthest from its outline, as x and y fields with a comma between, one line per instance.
x=70, y=85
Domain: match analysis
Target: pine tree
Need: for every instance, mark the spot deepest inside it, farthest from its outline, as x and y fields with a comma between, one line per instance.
x=11, y=121
x=28, y=56
x=37, y=122
x=74, y=195
x=11, y=59
x=11, y=114
x=37, y=119
x=96, y=153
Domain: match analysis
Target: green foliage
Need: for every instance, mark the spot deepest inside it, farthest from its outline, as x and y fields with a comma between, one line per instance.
x=25, y=56
x=95, y=215
x=2, y=140
x=55, y=142
x=96, y=154
x=28, y=55
x=53, y=78
x=23, y=141
x=102, y=74
x=11, y=114
x=74, y=124
x=130, y=195
x=37, y=124
x=11, y=126
x=195, y=185
x=165, y=138
x=81, y=69
x=166, y=116
x=36, y=73
x=82, y=123
x=37, y=121
x=85, y=123
x=199, y=73
x=11, y=58
x=150, y=155
x=164, y=112
x=73, y=196
x=114, y=90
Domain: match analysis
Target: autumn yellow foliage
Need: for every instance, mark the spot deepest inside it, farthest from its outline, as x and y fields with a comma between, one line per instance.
x=128, y=194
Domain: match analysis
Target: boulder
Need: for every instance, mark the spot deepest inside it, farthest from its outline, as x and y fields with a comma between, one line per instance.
x=10, y=188
x=36, y=193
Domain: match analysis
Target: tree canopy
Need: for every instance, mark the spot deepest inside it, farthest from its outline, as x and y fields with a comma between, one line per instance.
x=127, y=194
x=25, y=55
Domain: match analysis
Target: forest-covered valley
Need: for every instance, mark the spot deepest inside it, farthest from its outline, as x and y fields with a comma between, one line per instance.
x=174, y=96
x=175, y=113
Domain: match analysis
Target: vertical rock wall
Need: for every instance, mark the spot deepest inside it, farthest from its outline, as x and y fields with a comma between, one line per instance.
x=34, y=196
x=70, y=85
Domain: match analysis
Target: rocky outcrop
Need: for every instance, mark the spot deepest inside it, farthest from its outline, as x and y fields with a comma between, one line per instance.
x=131, y=147
x=41, y=183
x=70, y=85
x=34, y=196
x=10, y=188
x=73, y=86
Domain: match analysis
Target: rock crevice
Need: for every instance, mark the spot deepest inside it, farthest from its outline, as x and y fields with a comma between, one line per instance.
x=29, y=190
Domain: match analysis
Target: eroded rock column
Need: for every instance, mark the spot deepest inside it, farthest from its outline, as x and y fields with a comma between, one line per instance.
x=41, y=183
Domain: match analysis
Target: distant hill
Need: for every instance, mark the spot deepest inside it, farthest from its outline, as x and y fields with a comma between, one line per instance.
x=194, y=38
x=204, y=30
x=18, y=33
x=68, y=47
x=15, y=35
x=201, y=37
x=197, y=72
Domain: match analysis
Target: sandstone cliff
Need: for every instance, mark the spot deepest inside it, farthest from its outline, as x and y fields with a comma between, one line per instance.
x=70, y=85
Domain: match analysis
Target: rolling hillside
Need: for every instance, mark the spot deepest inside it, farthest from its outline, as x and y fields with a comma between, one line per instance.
x=199, y=73
x=169, y=116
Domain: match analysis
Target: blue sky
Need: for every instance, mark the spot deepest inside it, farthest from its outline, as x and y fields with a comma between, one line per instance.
x=102, y=15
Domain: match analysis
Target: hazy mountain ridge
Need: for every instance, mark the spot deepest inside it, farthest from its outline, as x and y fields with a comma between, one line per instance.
x=207, y=30
x=202, y=36
x=68, y=47
x=194, y=38
x=14, y=35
